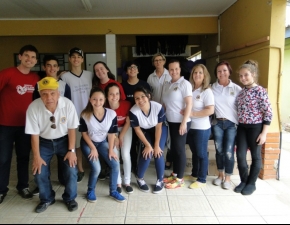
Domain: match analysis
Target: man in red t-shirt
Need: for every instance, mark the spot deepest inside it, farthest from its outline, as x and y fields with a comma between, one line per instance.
x=16, y=89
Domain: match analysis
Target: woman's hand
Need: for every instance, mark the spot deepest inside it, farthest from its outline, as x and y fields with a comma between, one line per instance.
x=94, y=155
x=117, y=143
x=147, y=152
x=112, y=155
x=182, y=128
x=261, y=138
x=157, y=151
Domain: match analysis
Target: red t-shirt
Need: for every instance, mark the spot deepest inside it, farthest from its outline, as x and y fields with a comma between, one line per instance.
x=103, y=86
x=123, y=112
x=16, y=91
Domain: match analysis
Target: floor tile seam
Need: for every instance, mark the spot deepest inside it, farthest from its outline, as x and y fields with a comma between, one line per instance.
x=247, y=199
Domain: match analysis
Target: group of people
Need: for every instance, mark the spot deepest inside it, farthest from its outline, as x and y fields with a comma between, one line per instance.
x=90, y=114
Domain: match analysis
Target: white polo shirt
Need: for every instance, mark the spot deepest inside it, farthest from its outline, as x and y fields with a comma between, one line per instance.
x=201, y=99
x=173, y=99
x=98, y=129
x=139, y=119
x=80, y=87
x=38, y=119
x=225, y=100
x=157, y=84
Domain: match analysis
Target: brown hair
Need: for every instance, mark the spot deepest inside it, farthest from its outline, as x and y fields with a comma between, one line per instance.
x=252, y=66
x=226, y=63
x=88, y=110
x=96, y=80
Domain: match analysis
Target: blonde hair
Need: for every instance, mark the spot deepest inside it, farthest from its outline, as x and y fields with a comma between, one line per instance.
x=252, y=66
x=156, y=55
x=206, y=79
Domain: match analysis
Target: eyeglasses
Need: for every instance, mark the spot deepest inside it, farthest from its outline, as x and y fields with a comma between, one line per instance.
x=52, y=119
x=132, y=67
x=158, y=60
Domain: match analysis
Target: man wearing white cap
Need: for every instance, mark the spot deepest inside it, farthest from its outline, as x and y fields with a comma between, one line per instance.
x=51, y=120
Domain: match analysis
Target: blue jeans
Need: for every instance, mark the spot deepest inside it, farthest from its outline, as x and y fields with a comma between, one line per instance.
x=198, y=142
x=159, y=162
x=47, y=150
x=224, y=134
x=103, y=150
x=8, y=136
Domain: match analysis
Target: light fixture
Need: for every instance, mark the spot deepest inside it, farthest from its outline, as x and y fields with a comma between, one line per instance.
x=87, y=4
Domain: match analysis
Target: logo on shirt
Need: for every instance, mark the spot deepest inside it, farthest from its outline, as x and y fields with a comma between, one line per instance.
x=63, y=119
x=175, y=89
x=26, y=88
x=197, y=97
x=121, y=118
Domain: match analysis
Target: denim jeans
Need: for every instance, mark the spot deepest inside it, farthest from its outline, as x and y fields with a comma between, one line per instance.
x=247, y=135
x=159, y=162
x=198, y=142
x=224, y=134
x=8, y=136
x=103, y=150
x=47, y=150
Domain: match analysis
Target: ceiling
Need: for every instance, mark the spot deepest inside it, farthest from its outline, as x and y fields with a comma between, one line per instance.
x=110, y=9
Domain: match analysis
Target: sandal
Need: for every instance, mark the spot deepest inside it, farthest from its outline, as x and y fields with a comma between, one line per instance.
x=169, y=179
x=176, y=184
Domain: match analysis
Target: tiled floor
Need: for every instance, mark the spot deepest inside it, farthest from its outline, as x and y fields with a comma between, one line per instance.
x=210, y=205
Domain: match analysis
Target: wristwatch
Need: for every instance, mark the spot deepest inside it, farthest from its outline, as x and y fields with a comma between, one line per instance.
x=71, y=150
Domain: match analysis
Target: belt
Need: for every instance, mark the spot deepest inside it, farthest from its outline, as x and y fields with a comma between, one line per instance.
x=222, y=118
x=57, y=139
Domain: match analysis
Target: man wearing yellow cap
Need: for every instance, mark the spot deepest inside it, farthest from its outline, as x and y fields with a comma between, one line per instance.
x=51, y=120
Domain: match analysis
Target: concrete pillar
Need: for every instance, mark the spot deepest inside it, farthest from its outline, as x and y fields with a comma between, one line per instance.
x=111, y=53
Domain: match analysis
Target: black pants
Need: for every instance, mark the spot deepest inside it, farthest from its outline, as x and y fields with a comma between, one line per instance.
x=247, y=135
x=178, y=148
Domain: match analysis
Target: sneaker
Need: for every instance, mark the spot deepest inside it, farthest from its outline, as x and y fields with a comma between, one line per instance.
x=80, y=176
x=102, y=176
x=196, y=185
x=108, y=175
x=142, y=185
x=217, y=182
x=25, y=193
x=2, y=196
x=35, y=191
x=116, y=196
x=227, y=185
x=175, y=184
x=42, y=206
x=72, y=205
x=91, y=196
x=129, y=189
x=169, y=179
x=119, y=189
x=158, y=187
x=190, y=178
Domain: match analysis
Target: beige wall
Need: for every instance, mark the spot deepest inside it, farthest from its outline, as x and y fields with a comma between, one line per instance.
x=244, y=27
x=285, y=81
